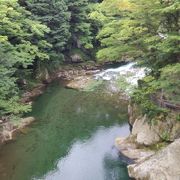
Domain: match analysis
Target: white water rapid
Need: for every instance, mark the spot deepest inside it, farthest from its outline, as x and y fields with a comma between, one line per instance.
x=126, y=75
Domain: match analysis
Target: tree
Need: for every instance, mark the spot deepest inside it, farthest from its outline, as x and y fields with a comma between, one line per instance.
x=146, y=30
x=18, y=50
x=80, y=26
x=115, y=33
x=55, y=15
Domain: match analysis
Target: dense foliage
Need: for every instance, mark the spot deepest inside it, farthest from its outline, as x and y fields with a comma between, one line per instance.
x=18, y=50
x=32, y=33
x=55, y=15
x=139, y=29
x=35, y=32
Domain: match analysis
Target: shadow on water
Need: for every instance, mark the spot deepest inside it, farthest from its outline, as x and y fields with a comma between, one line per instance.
x=72, y=138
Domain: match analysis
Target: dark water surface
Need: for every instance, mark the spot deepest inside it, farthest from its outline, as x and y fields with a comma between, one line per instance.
x=72, y=139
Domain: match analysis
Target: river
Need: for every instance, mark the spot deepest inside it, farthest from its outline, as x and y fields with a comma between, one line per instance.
x=71, y=139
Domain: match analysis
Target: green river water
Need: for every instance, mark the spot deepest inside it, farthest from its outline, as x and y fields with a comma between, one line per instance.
x=71, y=139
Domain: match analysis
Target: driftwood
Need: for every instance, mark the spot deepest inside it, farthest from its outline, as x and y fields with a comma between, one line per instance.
x=162, y=102
x=170, y=105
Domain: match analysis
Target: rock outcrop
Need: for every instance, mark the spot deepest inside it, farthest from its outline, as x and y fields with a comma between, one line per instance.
x=131, y=150
x=29, y=96
x=146, y=135
x=164, y=165
x=148, y=132
x=9, y=129
x=79, y=83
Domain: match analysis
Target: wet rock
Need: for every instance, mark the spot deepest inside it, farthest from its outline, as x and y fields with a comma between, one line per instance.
x=25, y=122
x=7, y=132
x=29, y=96
x=9, y=129
x=164, y=165
x=22, y=82
x=79, y=83
x=47, y=78
x=91, y=72
x=130, y=149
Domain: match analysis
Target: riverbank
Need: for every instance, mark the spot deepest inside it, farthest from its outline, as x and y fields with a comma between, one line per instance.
x=147, y=141
x=10, y=129
x=150, y=138
x=72, y=138
x=153, y=147
x=147, y=163
x=66, y=74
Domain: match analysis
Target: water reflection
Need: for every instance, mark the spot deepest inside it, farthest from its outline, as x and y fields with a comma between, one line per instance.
x=92, y=159
x=71, y=139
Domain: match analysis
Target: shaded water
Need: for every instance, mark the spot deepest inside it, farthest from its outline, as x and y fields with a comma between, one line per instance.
x=72, y=139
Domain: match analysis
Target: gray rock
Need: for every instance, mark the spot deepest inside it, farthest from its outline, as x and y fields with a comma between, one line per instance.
x=129, y=149
x=165, y=165
x=26, y=121
x=79, y=83
x=9, y=129
x=133, y=113
x=76, y=58
x=145, y=133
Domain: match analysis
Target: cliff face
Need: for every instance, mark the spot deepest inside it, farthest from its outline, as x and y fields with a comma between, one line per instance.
x=148, y=132
x=164, y=165
x=151, y=164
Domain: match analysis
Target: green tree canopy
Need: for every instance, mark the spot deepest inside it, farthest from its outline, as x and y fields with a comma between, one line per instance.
x=55, y=15
x=18, y=50
x=147, y=30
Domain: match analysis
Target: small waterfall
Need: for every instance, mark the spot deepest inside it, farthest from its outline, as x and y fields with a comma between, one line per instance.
x=126, y=75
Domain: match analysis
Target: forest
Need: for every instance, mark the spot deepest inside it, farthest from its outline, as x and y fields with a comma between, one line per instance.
x=35, y=34
x=89, y=89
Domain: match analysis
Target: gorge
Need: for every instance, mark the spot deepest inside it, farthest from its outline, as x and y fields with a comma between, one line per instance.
x=89, y=89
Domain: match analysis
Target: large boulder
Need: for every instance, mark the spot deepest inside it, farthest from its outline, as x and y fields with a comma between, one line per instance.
x=147, y=131
x=144, y=133
x=76, y=58
x=10, y=129
x=165, y=165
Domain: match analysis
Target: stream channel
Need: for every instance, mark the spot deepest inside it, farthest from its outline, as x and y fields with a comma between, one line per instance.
x=72, y=138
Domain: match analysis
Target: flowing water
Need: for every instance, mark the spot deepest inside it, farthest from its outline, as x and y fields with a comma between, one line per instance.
x=129, y=71
x=71, y=139
x=122, y=79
